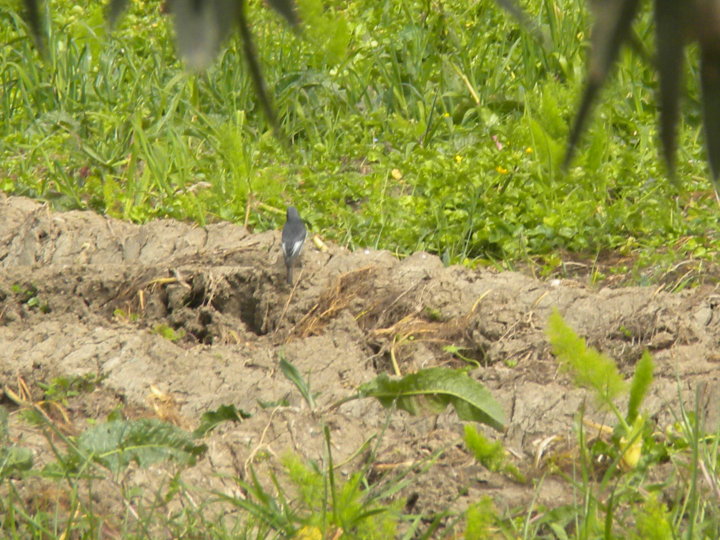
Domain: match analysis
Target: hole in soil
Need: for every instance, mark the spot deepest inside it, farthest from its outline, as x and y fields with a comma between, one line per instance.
x=239, y=297
x=203, y=336
x=411, y=501
x=249, y=315
x=208, y=307
x=196, y=298
x=205, y=317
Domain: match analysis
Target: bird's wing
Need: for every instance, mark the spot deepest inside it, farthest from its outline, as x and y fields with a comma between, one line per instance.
x=291, y=250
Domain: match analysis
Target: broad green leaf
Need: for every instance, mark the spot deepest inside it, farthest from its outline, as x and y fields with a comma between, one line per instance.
x=589, y=368
x=548, y=150
x=211, y=419
x=146, y=441
x=430, y=391
x=642, y=378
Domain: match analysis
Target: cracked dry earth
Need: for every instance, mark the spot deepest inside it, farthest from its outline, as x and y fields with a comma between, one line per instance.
x=103, y=287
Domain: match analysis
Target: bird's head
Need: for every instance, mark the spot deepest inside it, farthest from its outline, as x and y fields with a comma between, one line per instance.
x=292, y=213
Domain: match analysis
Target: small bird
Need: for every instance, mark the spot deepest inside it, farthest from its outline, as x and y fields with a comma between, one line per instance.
x=293, y=238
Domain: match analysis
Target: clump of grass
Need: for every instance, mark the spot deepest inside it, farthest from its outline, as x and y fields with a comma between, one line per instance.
x=491, y=454
x=168, y=332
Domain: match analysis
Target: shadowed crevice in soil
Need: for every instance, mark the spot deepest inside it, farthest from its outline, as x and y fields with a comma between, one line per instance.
x=81, y=293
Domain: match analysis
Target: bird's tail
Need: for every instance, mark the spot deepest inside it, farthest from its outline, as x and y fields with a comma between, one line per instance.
x=289, y=274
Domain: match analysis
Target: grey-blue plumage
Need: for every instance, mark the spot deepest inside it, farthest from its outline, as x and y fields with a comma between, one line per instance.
x=293, y=238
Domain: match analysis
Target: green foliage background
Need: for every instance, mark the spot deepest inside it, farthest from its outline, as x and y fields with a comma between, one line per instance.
x=415, y=125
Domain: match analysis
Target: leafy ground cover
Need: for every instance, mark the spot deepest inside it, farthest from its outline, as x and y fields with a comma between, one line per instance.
x=414, y=126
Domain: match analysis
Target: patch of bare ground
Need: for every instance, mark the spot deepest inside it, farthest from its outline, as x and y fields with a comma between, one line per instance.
x=83, y=294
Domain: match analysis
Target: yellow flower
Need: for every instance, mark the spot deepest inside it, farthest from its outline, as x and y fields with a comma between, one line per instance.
x=528, y=150
x=396, y=174
x=308, y=533
x=631, y=454
x=458, y=158
x=501, y=170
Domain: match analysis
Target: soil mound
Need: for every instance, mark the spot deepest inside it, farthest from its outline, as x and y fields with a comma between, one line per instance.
x=203, y=315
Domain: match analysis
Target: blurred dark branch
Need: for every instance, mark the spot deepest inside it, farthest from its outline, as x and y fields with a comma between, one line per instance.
x=669, y=28
x=256, y=72
x=612, y=27
x=34, y=20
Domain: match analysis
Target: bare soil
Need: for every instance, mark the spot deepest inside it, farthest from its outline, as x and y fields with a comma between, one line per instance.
x=84, y=294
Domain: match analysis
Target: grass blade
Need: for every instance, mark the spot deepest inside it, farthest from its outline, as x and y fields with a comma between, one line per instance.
x=293, y=375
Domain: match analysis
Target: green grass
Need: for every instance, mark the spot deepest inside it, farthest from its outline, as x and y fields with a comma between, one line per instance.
x=414, y=126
